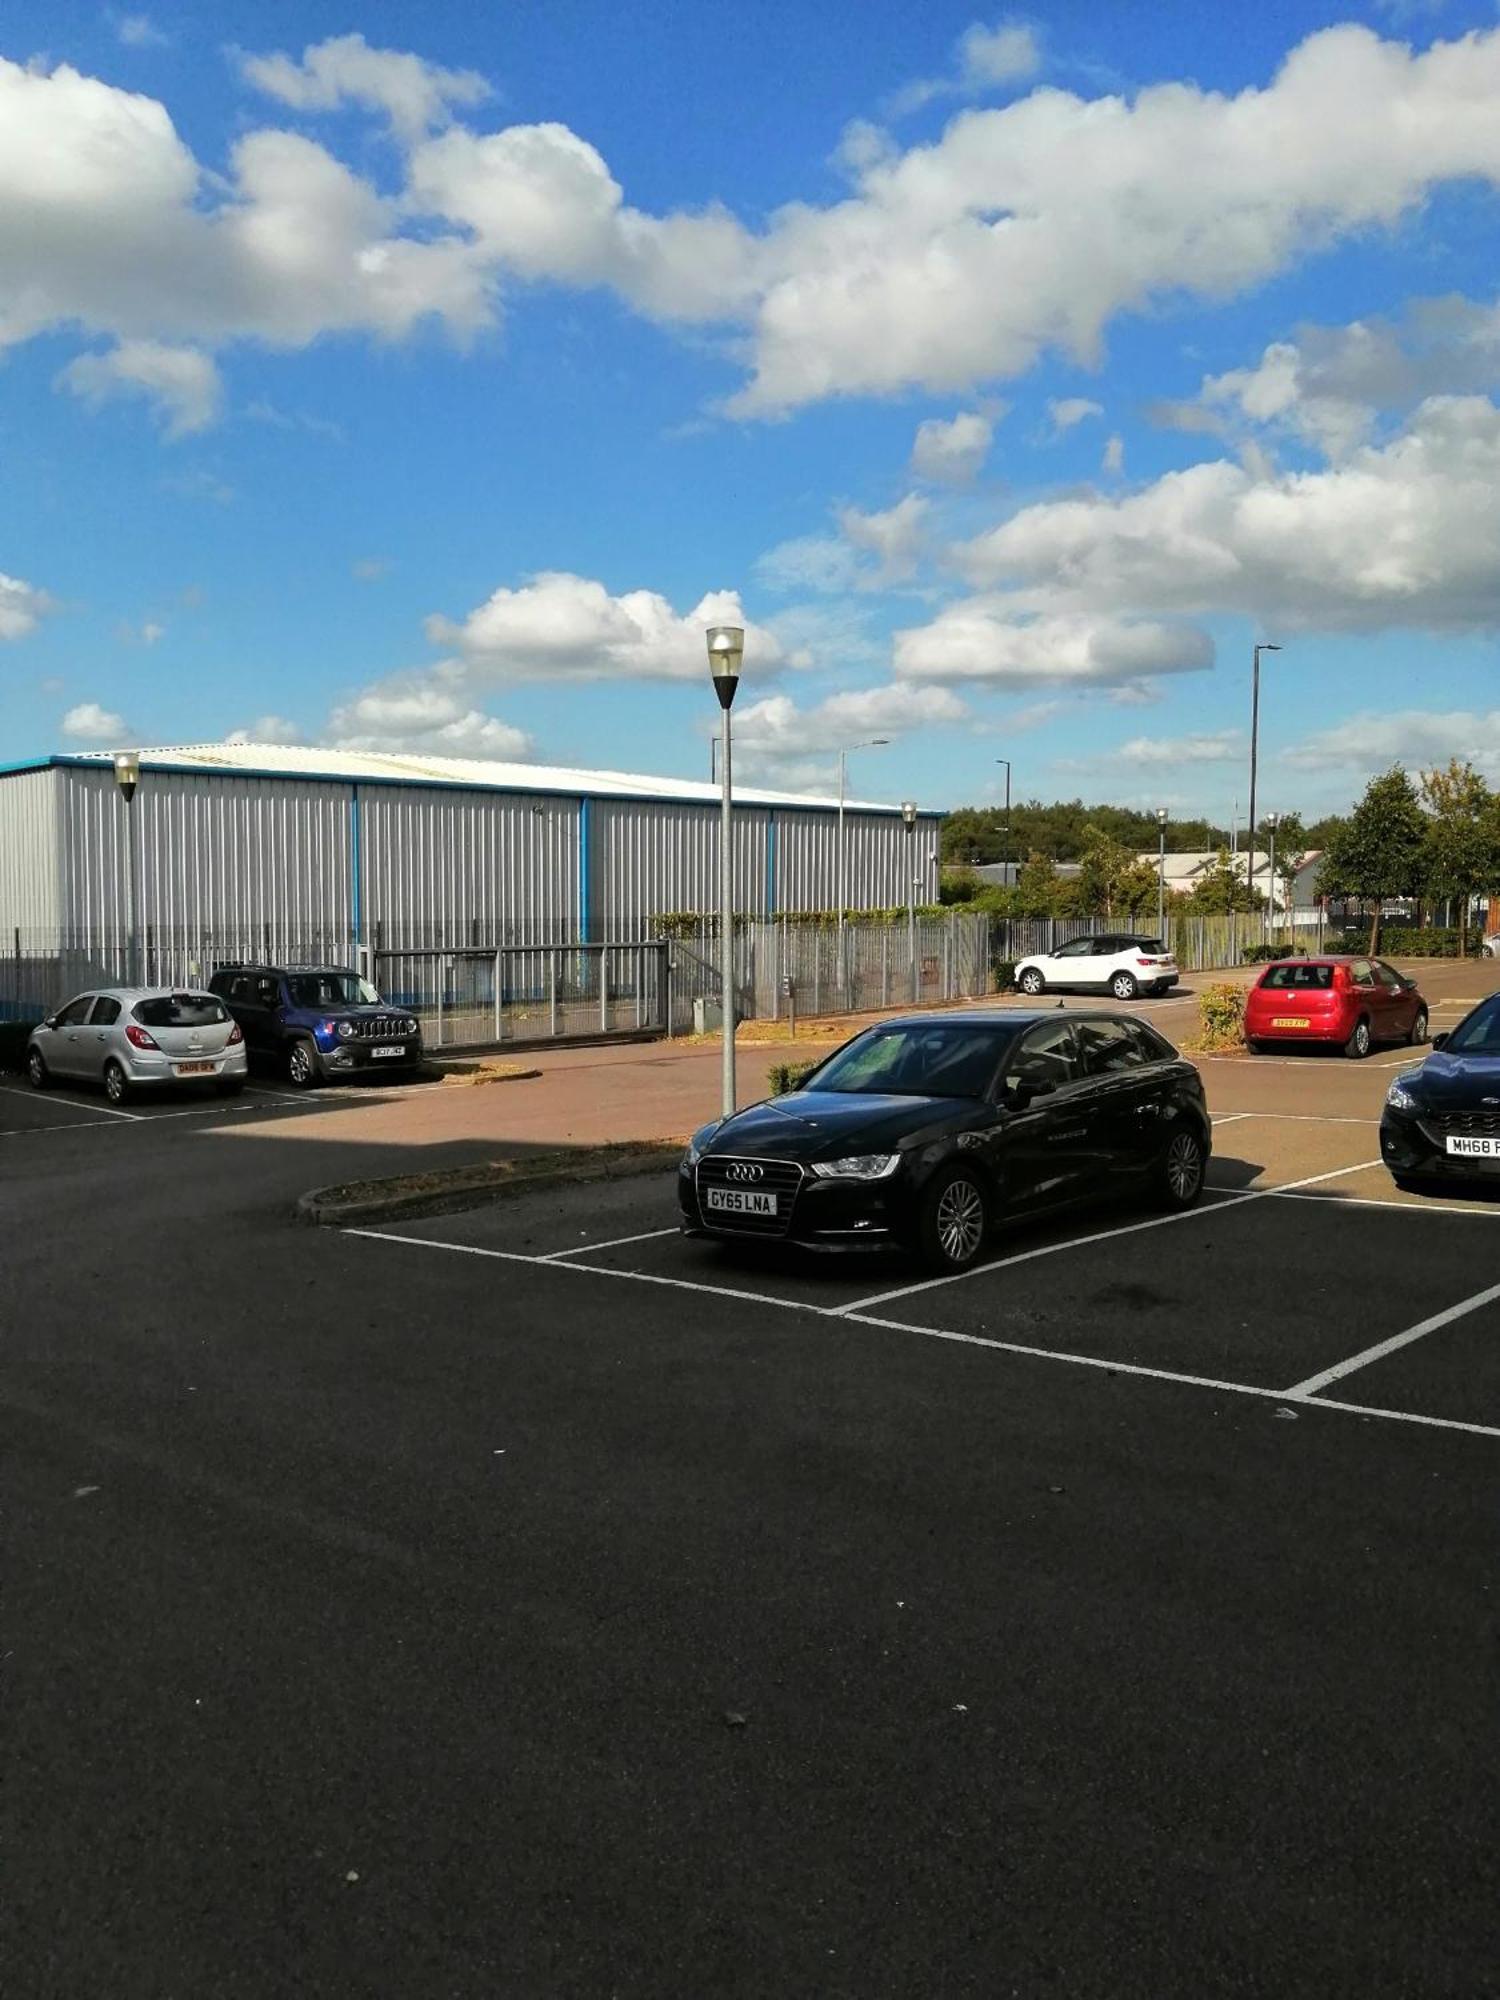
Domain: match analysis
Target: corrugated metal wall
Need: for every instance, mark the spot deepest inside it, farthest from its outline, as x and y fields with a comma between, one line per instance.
x=650, y=859
x=880, y=860
x=252, y=863
x=30, y=860
x=451, y=866
x=219, y=855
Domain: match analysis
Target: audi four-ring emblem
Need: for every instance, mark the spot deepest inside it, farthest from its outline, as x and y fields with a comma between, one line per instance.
x=744, y=1170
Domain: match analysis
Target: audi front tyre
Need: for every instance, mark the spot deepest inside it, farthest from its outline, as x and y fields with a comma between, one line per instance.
x=1181, y=1169
x=1032, y=982
x=303, y=1067
x=953, y=1221
x=1124, y=986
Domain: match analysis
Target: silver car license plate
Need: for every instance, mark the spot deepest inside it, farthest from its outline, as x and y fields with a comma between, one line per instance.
x=193, y=1069
x=1476, y=1149
x=387, y=1049
x=740, y=1201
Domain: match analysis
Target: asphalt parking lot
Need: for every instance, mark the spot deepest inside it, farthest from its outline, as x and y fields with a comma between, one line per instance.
x=532, y=1601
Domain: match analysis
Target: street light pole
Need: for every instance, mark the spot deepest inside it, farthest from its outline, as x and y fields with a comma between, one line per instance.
x=1005, y=855
x=1161, y=874
x=726, y=648
x=870, y=743
x=1264, y=647
x=127, y=777
x=909, y=817
x=1273, y=820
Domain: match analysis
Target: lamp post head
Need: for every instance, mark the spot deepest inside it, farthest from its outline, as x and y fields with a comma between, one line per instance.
x=909, y=812
x=726, y=648
x=1273, y=820
x=127, y=772
x=1161, y=818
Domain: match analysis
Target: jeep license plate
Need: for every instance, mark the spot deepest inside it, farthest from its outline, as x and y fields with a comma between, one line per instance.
x=740, y=1201
x=387, y=1049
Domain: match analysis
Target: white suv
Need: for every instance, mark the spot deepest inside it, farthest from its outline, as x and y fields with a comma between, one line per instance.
x=1118, y=963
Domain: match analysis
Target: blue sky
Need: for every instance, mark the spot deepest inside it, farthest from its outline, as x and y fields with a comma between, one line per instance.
x=427, y=378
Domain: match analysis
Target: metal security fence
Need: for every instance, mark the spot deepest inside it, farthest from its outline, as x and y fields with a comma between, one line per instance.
x=465, y=998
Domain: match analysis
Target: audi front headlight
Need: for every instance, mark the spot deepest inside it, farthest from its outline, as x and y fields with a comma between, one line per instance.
x=858, y=1167
x=698, y=1144
x=1400, y=1096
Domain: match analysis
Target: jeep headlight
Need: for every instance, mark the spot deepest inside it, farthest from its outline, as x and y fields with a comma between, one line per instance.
x=413, y=1027
x=858, y=1167
x=1401, y=1096
x=345, y=1031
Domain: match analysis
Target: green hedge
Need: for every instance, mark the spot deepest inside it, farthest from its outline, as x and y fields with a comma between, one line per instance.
x=789, y=1076
x=1263, y=954
x=1424, y=943
x=14, y=1036
x=1004, y=971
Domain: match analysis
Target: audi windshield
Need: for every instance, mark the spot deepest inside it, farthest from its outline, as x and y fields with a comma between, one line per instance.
x=920, y=1060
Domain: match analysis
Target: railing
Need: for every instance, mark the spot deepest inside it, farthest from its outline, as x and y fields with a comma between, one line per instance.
x=528, y=993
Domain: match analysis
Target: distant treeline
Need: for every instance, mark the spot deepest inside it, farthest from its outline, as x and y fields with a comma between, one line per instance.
x=979, y=834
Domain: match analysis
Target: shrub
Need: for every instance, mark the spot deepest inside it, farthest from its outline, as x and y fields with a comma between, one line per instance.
x=1397, y=943
x=1003, y=971
x=789, y=1076
x=1262, y=954
x=14, y=1036
x=1221, y=1017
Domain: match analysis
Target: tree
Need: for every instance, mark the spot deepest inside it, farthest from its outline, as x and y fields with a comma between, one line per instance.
x=1291, y=844
x=1223, y=889
x=1463, y=837
x=1136, y=889
x=1106, y=867
x=1036, y=886
x=1381, y=849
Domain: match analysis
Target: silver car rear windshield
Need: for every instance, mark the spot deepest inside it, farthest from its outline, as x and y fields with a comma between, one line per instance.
x=180, y=1010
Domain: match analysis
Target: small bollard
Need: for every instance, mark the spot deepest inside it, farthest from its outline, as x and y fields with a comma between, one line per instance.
x=789, y=989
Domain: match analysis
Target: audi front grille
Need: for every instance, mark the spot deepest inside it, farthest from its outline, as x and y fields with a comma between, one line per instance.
x=783, y=1178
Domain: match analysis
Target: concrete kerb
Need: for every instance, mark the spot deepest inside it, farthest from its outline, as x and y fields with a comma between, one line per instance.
x=404, y=1197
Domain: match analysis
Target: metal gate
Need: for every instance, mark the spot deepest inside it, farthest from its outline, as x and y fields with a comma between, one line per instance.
x=470, y=998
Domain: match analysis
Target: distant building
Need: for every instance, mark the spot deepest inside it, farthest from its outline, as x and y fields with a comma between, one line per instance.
x=1184, y=872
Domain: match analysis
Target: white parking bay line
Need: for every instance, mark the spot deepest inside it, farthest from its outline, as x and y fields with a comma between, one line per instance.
x=1100, y=1236
x=610, y=1243
x=1229, y=1117
x=926, y=1332
x=67, y=1104
x=1381, y=1349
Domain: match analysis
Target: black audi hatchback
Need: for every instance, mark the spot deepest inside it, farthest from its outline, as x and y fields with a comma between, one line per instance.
x=922, y=1133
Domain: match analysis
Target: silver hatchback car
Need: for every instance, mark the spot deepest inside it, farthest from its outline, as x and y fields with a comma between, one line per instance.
x=128, y=1037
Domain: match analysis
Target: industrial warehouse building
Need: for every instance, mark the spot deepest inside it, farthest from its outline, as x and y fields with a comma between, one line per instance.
x=245, y=850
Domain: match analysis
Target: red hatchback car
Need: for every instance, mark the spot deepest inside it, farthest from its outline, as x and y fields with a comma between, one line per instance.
x=1354, y=1002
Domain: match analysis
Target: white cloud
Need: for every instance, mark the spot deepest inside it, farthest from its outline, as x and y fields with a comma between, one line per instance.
x=151, y=632
x=416, y=96
x=809, y=562
x=988, y=639
x=894, y=538
x=559, y=626
x=1405, y=534
x=139, y=31
x=1417, y=738
x=369, y=569
x=22, y=607
x=264, y=411
x=1069, y=411
x=1113, y=461
x=1007, y=53
x=266, y=729
x=424, y=711
x=1159, y=753
x=89, y=723
x=984, y=59
x=776, y=723
x=951, y=453
x=1029, y=227
x=180, y=382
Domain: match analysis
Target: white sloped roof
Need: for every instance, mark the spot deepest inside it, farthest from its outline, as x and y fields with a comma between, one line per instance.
x=416, y=767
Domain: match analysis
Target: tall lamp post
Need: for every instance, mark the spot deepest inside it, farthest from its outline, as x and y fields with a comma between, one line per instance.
x=1006, y=855
x=127, y=777
x=1273, y=820
x=1264, y=647
x=909, y=819
x=1161, y=873
x=726, y=648
x=870, y=743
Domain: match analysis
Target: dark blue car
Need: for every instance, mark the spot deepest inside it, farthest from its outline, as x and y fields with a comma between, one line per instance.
x=1441, y=1123
x=313, y=1023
